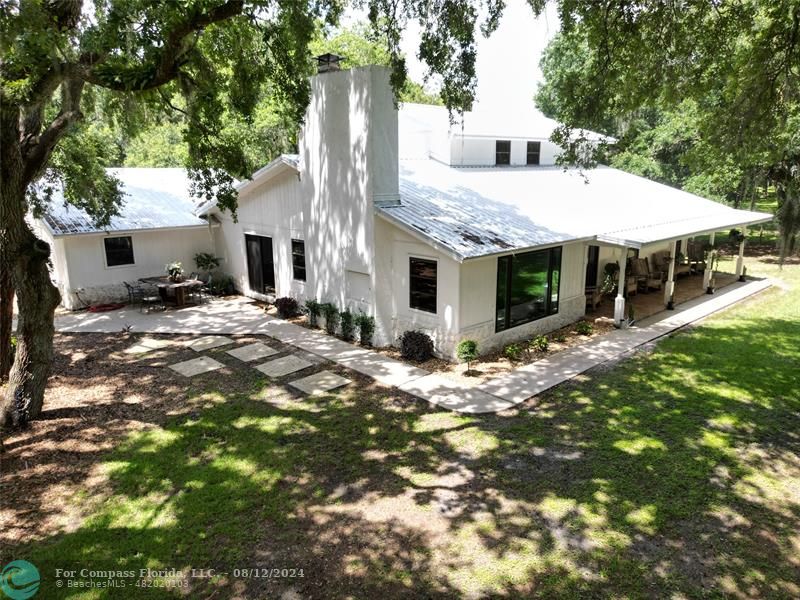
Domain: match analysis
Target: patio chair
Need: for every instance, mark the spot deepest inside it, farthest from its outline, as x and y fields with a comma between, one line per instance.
x=593, y=297
x=647, y=278
x=205, y=291
x=696, y=255
x=135, y=292
x=661, y=263
x=150, y=302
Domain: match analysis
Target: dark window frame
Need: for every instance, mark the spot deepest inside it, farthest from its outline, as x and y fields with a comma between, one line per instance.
x=505, y=154
x=536, y=152
x=413, y=302
x=116, y=261
x=299, y=271
x=504, y=277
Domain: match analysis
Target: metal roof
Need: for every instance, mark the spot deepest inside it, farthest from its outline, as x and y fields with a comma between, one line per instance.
x=481, y=211
x=153, y=199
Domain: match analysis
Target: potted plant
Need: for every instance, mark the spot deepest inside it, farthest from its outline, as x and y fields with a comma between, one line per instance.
x=206, y=262
x=174, y=271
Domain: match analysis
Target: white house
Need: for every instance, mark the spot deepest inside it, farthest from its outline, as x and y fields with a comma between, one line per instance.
x=466, y=231
x=462, y=231
x=156, y=225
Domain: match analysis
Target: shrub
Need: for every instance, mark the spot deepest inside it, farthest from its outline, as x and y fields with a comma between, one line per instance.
x=287, y=307
x=331, y=314
x=366, y=328
x=467, y=351
x=560, y=338
x=584, y=328
x=313, y=309
x=206, y=261
x=222, y=286
x=416, y=346
x=540, y=344
x=513, y=352
x=347, y=325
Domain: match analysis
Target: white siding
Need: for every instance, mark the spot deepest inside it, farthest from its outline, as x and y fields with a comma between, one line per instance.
x=274, y=210
x=480, y=151
x=85, y=261
x=348, y=157
x=394, y=313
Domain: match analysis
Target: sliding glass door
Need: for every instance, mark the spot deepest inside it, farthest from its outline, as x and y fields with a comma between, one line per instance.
x=260, y=264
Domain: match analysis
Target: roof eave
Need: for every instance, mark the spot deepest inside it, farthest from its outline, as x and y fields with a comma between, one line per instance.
x=272, y=169
x=420, y=236
x=107, y=232
x=629, y=243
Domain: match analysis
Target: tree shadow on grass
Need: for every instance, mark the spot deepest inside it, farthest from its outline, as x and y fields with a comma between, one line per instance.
x=670, y=474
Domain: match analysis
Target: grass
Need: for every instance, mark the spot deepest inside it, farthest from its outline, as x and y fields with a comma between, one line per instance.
x=673, y=474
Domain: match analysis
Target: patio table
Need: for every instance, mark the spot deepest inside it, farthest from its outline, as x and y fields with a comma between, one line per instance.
x=164, y=284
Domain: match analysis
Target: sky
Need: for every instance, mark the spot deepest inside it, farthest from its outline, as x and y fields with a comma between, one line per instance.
x=508, y=62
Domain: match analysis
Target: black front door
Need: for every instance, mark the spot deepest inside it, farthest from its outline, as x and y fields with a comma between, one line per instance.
x=592, y=265
x=260, y=266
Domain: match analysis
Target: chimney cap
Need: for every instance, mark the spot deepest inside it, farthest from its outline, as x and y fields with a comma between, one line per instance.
x=328, y=62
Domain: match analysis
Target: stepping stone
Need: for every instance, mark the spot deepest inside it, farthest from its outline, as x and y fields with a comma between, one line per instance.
x=196, y=366
x=319, y=383
x=147, y=345
x=284, y=365
x=252, y=352
x=208, y=342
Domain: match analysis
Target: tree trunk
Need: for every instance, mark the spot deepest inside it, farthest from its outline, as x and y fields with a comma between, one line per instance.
x=26, y=258
x=6, y=318
x=37, y=299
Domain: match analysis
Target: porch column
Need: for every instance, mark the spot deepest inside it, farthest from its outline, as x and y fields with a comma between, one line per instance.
x=740, y=259
x=619, y=301
x=709, y=259
x=669, y=288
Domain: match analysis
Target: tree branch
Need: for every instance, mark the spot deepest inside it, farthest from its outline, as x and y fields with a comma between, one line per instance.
x=172, y=53
x=39, y=152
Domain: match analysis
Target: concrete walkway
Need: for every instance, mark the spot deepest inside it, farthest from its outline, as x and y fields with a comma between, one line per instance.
x=240, y=316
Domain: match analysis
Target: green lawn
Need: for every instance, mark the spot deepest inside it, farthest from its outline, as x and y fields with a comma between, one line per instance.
x=674, y=474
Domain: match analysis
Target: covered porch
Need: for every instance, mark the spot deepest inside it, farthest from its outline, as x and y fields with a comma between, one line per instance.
x=654, y=268
x=647, y=304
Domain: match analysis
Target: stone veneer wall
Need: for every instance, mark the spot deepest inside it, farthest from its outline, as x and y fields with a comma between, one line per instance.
x=101, y=294
x=445, y=342
x=569, y=311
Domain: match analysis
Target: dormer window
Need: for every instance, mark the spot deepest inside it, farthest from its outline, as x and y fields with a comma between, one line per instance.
x=502, y=152
x=534, y=151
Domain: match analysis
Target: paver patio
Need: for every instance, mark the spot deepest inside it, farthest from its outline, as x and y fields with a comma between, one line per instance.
x=239, y=317
x=252, y=352
x=283, y=366
x=319, y=383
x=196, y=366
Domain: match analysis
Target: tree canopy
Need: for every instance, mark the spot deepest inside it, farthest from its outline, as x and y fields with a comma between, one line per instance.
x=80, y=79
x=271, y=131
x=702, y=95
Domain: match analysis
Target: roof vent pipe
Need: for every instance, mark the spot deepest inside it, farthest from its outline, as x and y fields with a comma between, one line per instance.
x=328, y=62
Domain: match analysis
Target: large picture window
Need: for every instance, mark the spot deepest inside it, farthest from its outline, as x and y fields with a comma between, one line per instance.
x=502, y=152
x=119, y=251
x=527, y=287
x=422, y=284
x=299, y=260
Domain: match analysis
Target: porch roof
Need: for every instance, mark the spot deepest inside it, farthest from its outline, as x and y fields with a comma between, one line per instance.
x=474, y=212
